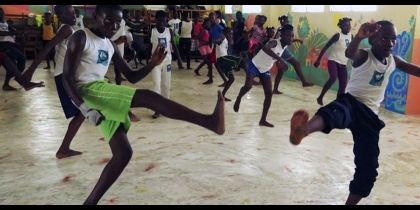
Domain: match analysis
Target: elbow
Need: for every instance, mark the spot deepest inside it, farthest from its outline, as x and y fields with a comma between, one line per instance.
x=348, y=55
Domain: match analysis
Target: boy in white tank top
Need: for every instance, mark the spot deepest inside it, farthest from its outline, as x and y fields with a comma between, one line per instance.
x=89, y=53
x=358, y=108
x=67, y=18
x=260, y=66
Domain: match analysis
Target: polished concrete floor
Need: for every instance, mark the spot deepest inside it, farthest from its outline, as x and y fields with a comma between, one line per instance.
x=175, y=162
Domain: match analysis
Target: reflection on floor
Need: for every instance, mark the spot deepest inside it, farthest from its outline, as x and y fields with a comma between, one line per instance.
x=179, y=163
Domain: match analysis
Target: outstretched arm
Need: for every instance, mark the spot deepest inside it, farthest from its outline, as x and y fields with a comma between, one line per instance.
x=74, y=52
x=135, y=75
x=325, y=48
x=406, y=67
x=62, y=34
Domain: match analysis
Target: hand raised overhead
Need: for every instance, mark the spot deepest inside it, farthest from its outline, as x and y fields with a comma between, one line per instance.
x=368, y=29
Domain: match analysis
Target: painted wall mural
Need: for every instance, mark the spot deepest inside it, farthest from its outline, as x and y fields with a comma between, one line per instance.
x=314, y=41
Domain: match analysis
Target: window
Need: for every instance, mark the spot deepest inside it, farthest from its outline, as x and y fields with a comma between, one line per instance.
x=232, y=9
x=307, y=8
x=353, y=8
x=228, y=9
x=251, y=9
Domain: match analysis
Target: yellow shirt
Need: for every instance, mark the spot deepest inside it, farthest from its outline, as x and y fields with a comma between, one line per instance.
x=48, y=32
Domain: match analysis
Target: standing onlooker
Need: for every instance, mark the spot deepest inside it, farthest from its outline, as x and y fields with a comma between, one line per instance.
x=238, y=28
x=79, y=20
x=205, y=50
x=185, y=31
x=216, y=32
x=161, y=74
x=174, y=25
x=219, y=18
x=194, y=37
x=337, y=62
x=48, y=31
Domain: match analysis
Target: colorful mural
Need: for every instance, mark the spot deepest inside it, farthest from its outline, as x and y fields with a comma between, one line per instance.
x=396, y=93
x=307, y=53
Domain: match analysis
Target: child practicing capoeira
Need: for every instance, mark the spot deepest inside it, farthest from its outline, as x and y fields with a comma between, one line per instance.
x=89, y=53
x=357, y=109
x=260, y=66
x=228, y=63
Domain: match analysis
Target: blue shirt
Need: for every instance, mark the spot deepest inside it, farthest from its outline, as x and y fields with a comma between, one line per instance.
x=216, y=31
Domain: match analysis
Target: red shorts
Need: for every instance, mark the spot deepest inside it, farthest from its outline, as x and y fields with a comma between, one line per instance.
x=213, y=59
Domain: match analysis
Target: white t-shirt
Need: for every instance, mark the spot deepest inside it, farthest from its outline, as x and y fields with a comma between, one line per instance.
x=96, y=57
x=79, y=23
x=164, y=39
x=368, y=81
x=340, y=46
x=174, y=24
x=263, y=61
x=5, y=27
x=222, y=49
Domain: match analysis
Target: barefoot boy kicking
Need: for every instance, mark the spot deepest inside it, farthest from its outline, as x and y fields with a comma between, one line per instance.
x=357, y=109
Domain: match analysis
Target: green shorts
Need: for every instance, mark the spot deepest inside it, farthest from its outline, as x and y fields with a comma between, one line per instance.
x=229, y=62
x=113, y=101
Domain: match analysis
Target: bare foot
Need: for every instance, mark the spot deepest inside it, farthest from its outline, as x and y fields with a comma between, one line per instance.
x=69, y=153
x=197, y=73
x=277, y=92
x=219, y=115
x=33, y=85
x=8, y=88
x=210, y=81
x=47, y=67
x=307, y=84
x=222, y=85
x=226, y=99
x=319, y=101
x=298, y=126
x=265, y=123
x=133, y=118
x=236, y=105
x=156, y=115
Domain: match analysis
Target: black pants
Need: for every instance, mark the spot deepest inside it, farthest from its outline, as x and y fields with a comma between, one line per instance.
x=185, y=49
x=347, y=112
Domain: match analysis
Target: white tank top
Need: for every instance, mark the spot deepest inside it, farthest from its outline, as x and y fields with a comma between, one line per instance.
x=222, y=49
x=95, y=59
x=340, y=46
x=60, y=52
x=368, y=81
x=164, y=39
x=186, y=29
x=263, y=61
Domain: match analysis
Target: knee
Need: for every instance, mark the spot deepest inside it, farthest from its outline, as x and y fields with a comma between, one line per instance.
x=333, y=78
x=125, y=155
x=247, y=87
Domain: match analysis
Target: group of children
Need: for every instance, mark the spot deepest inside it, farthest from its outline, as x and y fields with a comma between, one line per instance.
x=83, y=58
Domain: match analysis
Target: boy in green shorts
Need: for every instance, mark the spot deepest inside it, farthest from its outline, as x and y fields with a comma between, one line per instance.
x=226, y=62
x=89, y=53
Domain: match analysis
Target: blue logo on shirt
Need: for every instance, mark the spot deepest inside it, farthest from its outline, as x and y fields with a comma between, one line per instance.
x=102, y=57
x=163, y=42
x=377, y=78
